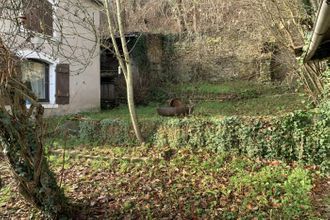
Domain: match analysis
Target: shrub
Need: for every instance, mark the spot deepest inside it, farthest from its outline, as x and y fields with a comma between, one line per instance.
x=299, y=136
x=88, y=130
x=115, y=132
x=273, y=190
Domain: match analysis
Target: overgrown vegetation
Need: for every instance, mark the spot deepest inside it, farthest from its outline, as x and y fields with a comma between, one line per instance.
x=301, y=136
x=251, y=151
x=247, y=159
x=162, y=182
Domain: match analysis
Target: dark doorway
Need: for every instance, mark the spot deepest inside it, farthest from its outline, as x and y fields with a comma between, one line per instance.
x=109, y=72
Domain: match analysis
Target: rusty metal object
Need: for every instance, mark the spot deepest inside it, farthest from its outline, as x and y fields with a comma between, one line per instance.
x=176, y=108
x=175, y=102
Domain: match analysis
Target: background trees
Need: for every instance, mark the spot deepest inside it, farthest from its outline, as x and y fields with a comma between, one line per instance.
x=226, y=38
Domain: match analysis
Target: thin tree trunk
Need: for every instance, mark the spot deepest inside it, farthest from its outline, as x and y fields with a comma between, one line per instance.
x=131, y=105
x=126, y=65
x=129, y=79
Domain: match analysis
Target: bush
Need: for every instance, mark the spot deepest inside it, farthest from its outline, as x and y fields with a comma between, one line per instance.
x=88, y=130
x=300, y=136
x=116, y=132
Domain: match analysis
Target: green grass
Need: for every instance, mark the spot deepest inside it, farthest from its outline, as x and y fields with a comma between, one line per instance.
x=237, y=87
x=257, y=99
x=263, y=105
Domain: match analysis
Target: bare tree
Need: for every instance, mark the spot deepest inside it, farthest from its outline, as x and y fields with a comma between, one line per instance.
x=288, y=23
x=124, y=59
x=21, y=132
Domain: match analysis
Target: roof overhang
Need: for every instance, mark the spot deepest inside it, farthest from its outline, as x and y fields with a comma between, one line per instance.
x=319, y=47
x=98, y=2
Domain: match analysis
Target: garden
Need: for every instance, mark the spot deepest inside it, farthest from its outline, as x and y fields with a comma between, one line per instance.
x=261, y=153
x=164, y=109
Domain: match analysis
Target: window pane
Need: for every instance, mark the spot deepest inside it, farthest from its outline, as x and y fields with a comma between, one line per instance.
x=34, y=76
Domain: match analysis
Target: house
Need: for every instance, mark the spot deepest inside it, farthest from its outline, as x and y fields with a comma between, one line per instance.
x=319, y=46
x=58, y=44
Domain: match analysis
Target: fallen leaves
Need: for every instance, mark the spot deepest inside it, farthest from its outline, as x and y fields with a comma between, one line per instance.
x=184, y=185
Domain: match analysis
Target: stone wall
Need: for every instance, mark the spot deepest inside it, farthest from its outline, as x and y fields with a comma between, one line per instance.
x=216, y=40
x=209, y=59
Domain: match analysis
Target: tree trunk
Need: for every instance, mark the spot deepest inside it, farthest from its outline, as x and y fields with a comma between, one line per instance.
x=21, y=139
x=131, y=105
x=126, y=65
x=129, y=76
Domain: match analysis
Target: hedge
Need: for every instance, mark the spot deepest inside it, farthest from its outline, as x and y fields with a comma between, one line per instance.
x=299, y=136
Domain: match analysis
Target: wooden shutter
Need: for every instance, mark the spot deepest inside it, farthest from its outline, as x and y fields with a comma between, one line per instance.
x=32, y=15
x=47, y=20
x=62, y=84
x=38, y=16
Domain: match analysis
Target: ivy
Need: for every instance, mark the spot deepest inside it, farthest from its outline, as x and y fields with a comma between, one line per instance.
x=299, y=136
x=302, y=136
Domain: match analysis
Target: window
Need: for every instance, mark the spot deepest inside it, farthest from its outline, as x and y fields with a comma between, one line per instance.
x=35, y=74
x=38, y=16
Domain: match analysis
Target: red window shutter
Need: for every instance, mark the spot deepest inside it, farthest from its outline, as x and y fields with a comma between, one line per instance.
x=62, y=84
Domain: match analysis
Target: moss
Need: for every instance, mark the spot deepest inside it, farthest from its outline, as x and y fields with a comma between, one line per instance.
x=5, y=195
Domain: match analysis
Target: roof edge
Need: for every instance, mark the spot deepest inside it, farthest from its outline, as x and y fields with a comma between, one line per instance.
x=320, y=28
x=98, y=2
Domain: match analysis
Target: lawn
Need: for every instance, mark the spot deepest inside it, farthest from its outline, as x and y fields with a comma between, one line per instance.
x=225, y=99
x=226, y=87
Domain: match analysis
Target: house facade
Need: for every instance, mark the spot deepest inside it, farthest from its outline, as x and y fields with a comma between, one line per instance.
x=57, y=42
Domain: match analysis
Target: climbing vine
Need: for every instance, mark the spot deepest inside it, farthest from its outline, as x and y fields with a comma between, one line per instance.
x=21, y=139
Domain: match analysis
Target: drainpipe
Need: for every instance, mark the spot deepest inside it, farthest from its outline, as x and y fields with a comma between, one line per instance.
x=321, y=27
x=315, y=5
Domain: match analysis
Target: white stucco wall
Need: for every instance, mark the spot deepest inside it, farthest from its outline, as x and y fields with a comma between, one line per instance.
x=80, y=50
